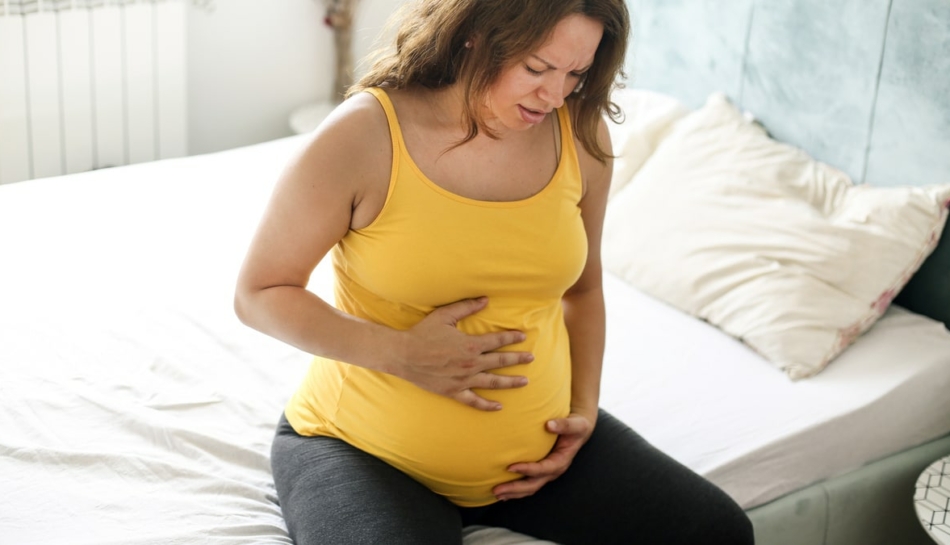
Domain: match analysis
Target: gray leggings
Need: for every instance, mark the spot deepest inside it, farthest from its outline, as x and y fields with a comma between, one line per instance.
x=619, y=489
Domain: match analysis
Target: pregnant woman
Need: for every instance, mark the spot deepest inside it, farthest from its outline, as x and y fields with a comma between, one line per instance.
x=460, y=191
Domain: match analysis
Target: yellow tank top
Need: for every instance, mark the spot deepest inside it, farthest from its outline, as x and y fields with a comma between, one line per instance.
x=429, y=247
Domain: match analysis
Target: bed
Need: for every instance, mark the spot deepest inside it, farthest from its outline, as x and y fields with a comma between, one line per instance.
x=136, y=409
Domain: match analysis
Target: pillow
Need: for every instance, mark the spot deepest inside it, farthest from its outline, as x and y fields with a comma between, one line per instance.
x=647, y=117
x=776, y=249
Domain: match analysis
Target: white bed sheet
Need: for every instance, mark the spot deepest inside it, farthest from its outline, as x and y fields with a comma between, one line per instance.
x=135, y=408
x=718, y=407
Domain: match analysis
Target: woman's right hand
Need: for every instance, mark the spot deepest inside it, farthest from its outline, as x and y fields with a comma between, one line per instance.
x=443, y=360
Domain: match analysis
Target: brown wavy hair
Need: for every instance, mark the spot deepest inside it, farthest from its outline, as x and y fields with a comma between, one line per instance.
x=430, y=50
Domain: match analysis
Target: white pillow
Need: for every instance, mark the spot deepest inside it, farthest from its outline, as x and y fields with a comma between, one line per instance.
x=648, y=116
x=776, y=249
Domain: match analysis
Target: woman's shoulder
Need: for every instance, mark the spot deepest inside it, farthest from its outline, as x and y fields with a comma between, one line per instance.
x=356, y=122
x=354, y=137
x=348, y=158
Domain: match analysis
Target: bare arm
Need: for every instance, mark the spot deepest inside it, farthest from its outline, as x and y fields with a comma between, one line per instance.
x=312, y=207
x=337, y=183
x=584, y=312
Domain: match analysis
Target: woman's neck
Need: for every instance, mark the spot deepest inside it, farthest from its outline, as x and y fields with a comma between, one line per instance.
x=448, y=110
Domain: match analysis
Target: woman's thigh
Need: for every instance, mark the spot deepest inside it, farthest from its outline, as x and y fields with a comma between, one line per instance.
x=332, y=492
x=620, y=489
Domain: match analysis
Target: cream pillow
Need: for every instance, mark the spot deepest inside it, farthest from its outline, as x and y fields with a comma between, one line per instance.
x=647, y=117
x=776, y=249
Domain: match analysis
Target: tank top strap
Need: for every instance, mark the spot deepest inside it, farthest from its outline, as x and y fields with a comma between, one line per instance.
x=569, y=160
x=395, y=131
x=566, y=128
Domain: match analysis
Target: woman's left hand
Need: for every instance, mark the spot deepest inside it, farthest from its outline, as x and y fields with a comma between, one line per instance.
x=572, y=432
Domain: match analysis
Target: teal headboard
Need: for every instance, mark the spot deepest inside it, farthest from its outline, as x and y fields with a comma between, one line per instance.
x=863, y=85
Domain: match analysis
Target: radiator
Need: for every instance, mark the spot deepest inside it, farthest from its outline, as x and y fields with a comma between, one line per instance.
x=88, y=84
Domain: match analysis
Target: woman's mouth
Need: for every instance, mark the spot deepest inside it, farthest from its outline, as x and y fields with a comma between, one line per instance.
x=532, y=117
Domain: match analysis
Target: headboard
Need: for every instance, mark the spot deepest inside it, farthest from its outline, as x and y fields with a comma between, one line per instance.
x=863, y=85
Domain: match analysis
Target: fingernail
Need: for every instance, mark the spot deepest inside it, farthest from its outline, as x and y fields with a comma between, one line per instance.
x=496, y=407
x=523, y=381
x=552, y=425
x=529, y=357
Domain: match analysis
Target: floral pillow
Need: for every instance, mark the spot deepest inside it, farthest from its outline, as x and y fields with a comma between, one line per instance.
x=781, y=251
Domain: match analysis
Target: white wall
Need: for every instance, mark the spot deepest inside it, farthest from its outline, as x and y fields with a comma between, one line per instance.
x=251, y=62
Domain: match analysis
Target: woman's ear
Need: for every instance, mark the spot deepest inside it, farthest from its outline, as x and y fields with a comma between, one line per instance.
x=580, y=84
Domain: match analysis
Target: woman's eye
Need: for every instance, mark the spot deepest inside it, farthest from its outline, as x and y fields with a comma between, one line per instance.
x=532, y=70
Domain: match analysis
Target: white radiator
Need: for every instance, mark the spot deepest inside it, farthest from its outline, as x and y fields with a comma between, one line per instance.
x=87, y=84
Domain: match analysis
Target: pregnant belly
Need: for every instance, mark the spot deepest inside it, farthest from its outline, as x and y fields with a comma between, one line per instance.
x=455, y=450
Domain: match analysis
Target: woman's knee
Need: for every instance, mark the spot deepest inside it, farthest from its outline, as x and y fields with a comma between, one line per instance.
x=669, y=498
x=331, y=492
x=730, y=525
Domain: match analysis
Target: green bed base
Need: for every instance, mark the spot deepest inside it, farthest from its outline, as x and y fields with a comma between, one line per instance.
x=873, y=505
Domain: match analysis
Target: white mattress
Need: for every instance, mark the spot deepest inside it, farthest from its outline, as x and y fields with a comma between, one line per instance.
x=716, y=406
x=135, y=408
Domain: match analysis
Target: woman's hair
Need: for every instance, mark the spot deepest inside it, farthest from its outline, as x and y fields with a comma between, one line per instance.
x=434, y=41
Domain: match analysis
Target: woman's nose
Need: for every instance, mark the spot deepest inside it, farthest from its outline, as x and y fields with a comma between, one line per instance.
x=552, y=90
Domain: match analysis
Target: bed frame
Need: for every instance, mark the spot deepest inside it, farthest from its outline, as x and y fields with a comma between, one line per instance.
x=863, y=85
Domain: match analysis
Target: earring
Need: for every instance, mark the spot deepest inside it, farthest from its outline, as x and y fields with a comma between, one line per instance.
x=468, y=44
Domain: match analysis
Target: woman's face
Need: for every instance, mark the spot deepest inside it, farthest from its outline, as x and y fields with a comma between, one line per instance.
x=529, y=89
